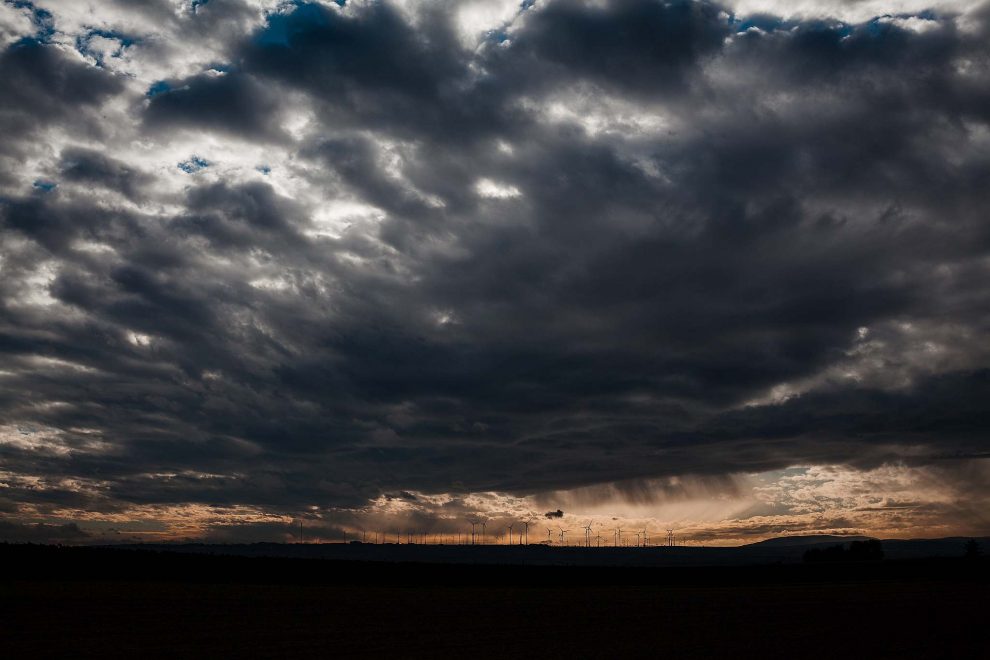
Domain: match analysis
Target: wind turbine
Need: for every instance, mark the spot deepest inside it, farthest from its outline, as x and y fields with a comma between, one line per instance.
x=474, y=524
x=526, y=527
x=483, y=523
x=618, y=536
x=587, y=534
x=510, y=534
x=637, y=539
x=549, y=536
x=562, y=532
x=646, y=539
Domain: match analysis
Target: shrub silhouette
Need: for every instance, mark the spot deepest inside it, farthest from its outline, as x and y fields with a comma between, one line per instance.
x=871, y=550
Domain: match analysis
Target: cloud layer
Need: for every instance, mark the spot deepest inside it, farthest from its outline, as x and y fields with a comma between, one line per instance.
x=289, y=259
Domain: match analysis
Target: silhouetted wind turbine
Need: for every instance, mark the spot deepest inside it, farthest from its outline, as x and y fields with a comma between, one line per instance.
x=562, y=532
x=510, y=534
x=587, y=534
x=549, y=536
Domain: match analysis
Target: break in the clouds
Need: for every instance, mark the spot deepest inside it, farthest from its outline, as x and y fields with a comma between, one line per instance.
x=401, y=263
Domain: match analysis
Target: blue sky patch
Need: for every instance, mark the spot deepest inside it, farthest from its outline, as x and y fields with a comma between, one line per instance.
x=157, y=88
x=193, y=165
x=83, y=43
x=44, y=22
x=281, y=26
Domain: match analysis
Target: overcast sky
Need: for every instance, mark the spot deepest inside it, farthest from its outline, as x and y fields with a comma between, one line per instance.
x=369, y=265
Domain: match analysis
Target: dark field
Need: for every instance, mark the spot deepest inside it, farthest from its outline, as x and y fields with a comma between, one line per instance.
x=134, y=605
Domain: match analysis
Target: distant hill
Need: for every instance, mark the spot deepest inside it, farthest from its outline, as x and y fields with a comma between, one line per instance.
x=782, y=550
x=815, y=539
x=951, y=546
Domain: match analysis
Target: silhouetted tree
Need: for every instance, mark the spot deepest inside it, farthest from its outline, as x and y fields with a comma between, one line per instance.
x=830, y=554
x=871, y=550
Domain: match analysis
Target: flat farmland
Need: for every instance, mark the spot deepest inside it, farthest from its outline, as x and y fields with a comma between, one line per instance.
x=923, y=617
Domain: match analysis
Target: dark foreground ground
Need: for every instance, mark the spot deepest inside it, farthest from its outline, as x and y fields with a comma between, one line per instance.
x=105, y=603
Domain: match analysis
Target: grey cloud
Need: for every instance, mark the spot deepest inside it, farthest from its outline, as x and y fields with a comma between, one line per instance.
x=40, y=533
x=90, y=167
x=608, y=321
x=42, y=87
x=275, y=532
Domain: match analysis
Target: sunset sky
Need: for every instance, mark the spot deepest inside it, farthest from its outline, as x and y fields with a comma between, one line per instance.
x=393, y=265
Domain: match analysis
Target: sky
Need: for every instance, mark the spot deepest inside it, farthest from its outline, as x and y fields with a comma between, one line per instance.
x=368, y=266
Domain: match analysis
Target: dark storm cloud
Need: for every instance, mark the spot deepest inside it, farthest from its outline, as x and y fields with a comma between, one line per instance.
x=44, y=84
x=811, y=216
x=367, y=67
x=227, y=103
x=90, y=167
x=244, y=215
x=372, y=48
x=625, y=45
